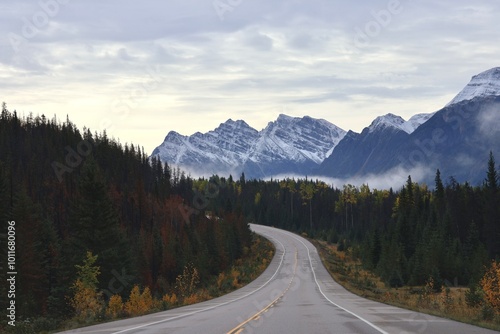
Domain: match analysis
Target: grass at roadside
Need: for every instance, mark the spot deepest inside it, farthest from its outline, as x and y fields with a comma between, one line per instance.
x=244, y=271
x=450, y=303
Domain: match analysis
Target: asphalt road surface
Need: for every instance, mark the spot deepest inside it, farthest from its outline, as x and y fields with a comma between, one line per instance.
x=294, y=295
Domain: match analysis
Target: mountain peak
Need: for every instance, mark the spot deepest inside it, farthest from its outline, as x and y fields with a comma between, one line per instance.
x=284, y=118
x=236, y=124
x=388, y=121
x=289, y=144
x=397, y=122
x=484, y=84
x=173, y=135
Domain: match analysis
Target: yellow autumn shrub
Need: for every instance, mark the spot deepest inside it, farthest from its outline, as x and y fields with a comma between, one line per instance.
x=170, y=299
x=235, y=275
x=186, y=283
x=490, y=283
x=86, y=301
x=220, y=280
x=115, y=307
x=139, y=304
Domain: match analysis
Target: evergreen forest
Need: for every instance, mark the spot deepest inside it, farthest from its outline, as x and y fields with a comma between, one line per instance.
x=72, y=192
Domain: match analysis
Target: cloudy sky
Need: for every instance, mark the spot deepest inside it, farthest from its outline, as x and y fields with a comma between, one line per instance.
x=139, y=69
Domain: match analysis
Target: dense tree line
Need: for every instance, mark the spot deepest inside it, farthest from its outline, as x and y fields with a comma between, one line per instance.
x=447, y=233
x=73, y=192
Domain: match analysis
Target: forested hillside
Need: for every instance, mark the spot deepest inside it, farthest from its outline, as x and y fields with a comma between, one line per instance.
x=70, y=192
x=447, y=231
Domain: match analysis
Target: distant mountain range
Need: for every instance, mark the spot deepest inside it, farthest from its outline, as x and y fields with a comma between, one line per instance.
x=287, y=145
x=456, y=139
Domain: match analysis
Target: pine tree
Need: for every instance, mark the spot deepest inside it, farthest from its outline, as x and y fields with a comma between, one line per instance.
x=439, y=185
x=31, y=280
x=492, y=210
x=307, y=191
x=95, y=226
x=4, y=209
x=4, y=195
x=409, y=190
x=492, y=175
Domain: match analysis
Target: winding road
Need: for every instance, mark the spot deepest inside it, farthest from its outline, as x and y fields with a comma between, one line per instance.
x=294, y=295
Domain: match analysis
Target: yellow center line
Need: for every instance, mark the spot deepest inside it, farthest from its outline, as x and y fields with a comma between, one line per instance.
x=239, y=329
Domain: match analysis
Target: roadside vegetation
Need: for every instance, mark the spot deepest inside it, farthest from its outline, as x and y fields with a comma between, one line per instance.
x=109, y=232
x=83, y=201
x=478, y=305
x=91, y=307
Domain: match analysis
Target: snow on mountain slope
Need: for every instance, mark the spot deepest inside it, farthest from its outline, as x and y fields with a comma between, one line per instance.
x=296, y=139
x=397, y=122
x=288, y=141
x=484, y=84
x=304, y=146
x=415, y=121
x=228, y=145
x=388, y=121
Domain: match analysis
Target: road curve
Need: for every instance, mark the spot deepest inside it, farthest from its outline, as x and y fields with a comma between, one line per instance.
x=294, y=295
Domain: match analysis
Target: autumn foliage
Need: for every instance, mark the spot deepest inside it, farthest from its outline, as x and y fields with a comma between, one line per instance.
x=139, y=303
x=490, y=283
x=73, y=190
x=87, y=300
x=170, y=299
x=115, y=307
x=187, y=282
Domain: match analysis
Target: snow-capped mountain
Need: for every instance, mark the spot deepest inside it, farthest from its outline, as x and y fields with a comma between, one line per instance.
x=292, y=145
x=367, y=152
x=457, y=140
x=415, y=121
x=297, y=139
x=227, y=146
x=397, y=122
x=484, y=84
x=287, y=145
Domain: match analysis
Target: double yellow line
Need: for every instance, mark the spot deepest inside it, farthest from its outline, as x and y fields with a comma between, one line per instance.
x=238, y=329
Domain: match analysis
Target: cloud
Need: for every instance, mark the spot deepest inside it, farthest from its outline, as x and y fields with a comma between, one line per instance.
x=260, y=42
x=255, y=57
x=395, y=178
x=489, y=122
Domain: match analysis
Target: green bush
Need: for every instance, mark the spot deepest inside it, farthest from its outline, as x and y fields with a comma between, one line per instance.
x=487, y=312
x=43, y=324
x=474, y=297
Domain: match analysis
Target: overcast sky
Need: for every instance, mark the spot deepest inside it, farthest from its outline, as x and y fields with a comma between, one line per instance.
x=142, y=68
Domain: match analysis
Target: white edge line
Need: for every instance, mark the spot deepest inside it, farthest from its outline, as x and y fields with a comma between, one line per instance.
x=218, y=305
x=331, y=302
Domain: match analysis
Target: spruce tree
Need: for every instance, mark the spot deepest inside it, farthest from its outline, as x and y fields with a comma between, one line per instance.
x=4, y=196
x=95, y=225
x=439, y=185
x=492, y=175
x=492, y=211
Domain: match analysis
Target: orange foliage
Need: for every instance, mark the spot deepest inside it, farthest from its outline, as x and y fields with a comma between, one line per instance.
x=115, y=307
x=170, y=299
x=197, y=297
x=87, y=302
x=220, y=280
x=235, y=275
x=186, y=283
x=139, y=304
x=490, y=283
